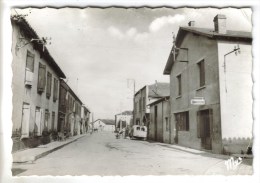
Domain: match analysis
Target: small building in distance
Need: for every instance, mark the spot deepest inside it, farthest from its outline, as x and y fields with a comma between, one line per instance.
x=144, y=97
x=123, y=120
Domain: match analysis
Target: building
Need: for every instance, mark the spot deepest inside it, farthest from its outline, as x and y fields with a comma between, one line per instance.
x=211, y=88
x=109, y=125
x=70, y=108
x=144, y=97
x=35, y=85
x=160, y=128
x=123, y=120
x=85, y=117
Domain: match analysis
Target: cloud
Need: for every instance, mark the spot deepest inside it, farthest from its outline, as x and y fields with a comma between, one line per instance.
x=160, y=22
x=115, y=32
x=130, y=34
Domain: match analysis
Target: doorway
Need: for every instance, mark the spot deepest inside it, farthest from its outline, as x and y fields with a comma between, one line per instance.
x=204, y=128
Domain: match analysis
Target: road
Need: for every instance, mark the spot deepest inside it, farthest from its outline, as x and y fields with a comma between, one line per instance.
x=102, y=154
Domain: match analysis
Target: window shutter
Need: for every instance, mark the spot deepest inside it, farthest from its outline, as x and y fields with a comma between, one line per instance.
x=49, y=82
x=30, y=61
x=41, y=78
x=55, y=88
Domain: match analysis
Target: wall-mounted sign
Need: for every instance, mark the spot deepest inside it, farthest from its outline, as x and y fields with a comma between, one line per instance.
x=198, y=101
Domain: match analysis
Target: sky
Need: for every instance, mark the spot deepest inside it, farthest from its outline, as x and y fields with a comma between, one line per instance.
x=104, y=51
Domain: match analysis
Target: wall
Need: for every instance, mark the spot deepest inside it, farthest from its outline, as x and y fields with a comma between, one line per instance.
x=236, y=96
x=158, y=132
x=199, y=48
x=166, y=113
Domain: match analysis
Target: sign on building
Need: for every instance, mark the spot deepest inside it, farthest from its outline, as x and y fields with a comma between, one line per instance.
x=198, y=101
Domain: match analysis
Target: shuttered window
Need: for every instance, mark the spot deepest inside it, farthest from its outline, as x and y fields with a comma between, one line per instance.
x=49, y=82
x=201, y=65
x=182, y=120
x=41, y=78
x=55, y=89
x=30, y=61
x=179, y=85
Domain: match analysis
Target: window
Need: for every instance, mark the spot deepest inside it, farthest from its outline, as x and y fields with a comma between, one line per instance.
x=30, y=61
x=166, y=124
x=182, y=120
x=29, y=69
x=41, y=78
x=52, y=120
x=179, y=85
x=55, y=89
x=49, y=81
x=46, y=119
x=37, y=126
x=201, y=65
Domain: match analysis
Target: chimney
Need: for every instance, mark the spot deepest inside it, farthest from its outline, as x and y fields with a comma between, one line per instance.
x=191, y=23
x=220, y=24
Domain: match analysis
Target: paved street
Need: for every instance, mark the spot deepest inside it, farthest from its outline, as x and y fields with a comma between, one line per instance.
x=102, y=154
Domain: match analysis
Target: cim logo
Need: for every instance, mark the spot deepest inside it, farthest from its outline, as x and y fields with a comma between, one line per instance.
x=232, y=163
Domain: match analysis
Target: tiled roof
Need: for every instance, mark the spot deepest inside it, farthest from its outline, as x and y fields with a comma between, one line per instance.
x=108, y=121
x=159, y=90
x=212, y=33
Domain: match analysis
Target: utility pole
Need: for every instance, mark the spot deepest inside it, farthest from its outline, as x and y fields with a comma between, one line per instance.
x=133, y=80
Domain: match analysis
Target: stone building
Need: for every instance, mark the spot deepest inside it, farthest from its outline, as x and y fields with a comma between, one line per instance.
x=211, y=87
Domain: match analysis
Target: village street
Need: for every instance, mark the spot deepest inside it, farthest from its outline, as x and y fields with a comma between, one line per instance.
x=102, y=154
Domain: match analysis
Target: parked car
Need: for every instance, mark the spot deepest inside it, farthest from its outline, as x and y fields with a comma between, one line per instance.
x=138, y=132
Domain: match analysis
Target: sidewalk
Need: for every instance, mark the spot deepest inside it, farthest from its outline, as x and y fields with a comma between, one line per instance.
x=220, y=168
x=32, y=154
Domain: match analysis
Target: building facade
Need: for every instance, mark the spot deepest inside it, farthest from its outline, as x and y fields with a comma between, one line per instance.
x=212, y=66
x=123, y=120
x=35, y=85
x=160, y=127
x=70, y=108
x=144, y=97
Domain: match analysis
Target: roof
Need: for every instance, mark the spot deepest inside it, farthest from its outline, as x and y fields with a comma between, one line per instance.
x=30, y=33
x=108, y=121
x=126, y=113
x=210, y=33
x=159, y=100
x=159, y=90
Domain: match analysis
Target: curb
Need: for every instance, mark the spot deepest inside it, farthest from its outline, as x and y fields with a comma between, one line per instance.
x=40, y=155
x=54, y=149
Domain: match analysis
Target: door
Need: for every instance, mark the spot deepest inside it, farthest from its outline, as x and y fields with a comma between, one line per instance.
x=37, y=128
x=155, y=123
x=205, y=129
x=25, y=121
